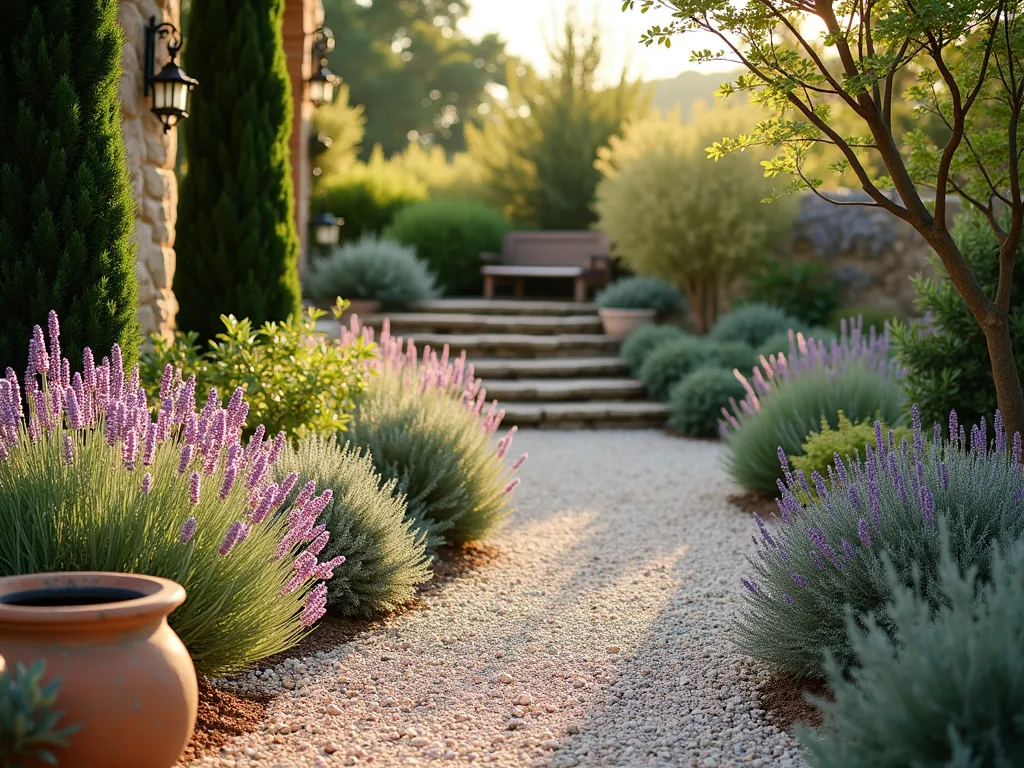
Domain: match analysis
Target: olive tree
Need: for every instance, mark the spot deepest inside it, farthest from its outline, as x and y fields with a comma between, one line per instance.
x=671, y=218
x=804, y=57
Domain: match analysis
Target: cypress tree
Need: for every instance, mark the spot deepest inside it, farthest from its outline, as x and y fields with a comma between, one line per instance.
x=237, y=243
x=66, y=207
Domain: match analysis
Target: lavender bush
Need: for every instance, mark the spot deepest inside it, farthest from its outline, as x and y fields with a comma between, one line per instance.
x=89, y=480
x=826, y=555
x=940, y=689
x=788, y=397
x=425, y=421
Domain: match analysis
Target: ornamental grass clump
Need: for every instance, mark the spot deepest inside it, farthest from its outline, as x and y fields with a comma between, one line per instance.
x=826, y=555
x=384, y=558
x=788, y=396
x=91, y=481
x=939, y=687
x=425, y=422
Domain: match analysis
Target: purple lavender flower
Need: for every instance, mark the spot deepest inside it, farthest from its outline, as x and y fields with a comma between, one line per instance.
x=129, y=448
x=879, y=439
x=147, y=483
x=243, y=534
x=847, y=548
x=915, y=420
x=789, y=600
x=229, y=481
x=165, y=381
x=303, y=565
x=186, y=458
x=818, y=561
x=817, y=536
x=75, y=418
x=799, y=580
x=193, y=489
x=69, y=450
x=39, y=359
x=149, y=448
x=1016, y=448
x=863, y=532
x=954, y=429
x=765, y=536
x=1000, y=432
x=819, y=485
x=944, y=476
x=928, y=504
x=840, y=470
x=259, y=470
x=751, y=586
x=116, y=373
x=275, y=451
x=88, y=369
x=188, y=530
x=230, y=538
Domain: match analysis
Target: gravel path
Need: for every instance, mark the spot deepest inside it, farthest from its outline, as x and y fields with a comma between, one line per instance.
x=599, y=637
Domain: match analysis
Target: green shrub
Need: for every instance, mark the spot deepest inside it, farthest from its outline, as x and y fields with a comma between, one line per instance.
x=753, y=324
x=178, y=498
x=695, y=403
x=295, y=379
x=871, y=317
x=369, y=197
x=237, y=246
x=696, y=235
x=384, y=558
x=372, y=269
x=932, y=688
x=28, y=720
x=781, y=341
x=422, y=421
x=728, y=355
x=795, y=408
x=805, y=290
x=642, y=293
x=450, y=235
x=847, y=440
x=67, y=210
x=947, y=360
x=644, y=340
x=669, y=362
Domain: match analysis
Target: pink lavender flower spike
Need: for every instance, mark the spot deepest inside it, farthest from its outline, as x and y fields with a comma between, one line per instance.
x=69, y=450
x=231, y=538
x=39, y=359
x=325, y=570
x=316, y=605
x=147, y=483
x=193, y=489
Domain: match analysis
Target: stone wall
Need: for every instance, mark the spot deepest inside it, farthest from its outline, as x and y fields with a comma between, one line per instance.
x=151, y=154
x=873, y=253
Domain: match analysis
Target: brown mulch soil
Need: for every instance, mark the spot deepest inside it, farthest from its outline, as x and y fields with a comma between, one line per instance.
x=223, y=715
x=782, y=697
x=754, y=502
x=226, y=714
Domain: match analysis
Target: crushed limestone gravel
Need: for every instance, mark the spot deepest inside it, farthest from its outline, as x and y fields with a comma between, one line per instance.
x=599, y=637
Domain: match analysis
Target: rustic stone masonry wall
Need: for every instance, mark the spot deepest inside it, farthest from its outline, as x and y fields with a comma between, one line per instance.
x=151, y=154
x=873, y=253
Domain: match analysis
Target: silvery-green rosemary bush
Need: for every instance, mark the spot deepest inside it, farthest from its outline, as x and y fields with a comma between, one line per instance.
x=644, y=340
x=90, y=481
x=937, y=687
x=423, y=421
x=826, y=555
x=384, y=558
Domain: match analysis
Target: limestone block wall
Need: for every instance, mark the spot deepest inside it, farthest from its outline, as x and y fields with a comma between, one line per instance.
x=151, y=155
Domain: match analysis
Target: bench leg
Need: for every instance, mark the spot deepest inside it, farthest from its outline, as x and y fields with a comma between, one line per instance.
x=580, y=289
x=519, y=287
x=488, y=286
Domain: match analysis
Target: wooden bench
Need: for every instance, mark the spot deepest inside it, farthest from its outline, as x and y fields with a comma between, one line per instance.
x=583, y=257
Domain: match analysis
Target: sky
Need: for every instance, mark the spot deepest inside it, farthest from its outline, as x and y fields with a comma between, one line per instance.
x=527, y=25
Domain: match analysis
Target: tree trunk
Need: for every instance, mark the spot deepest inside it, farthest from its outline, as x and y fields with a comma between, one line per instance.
x=1004, y=373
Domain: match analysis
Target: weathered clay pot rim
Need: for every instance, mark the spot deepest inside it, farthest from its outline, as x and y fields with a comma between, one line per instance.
x=159, y=598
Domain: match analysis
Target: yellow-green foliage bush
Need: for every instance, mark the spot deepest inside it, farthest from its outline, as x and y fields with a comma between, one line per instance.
x=848, y=440
x=675, y=214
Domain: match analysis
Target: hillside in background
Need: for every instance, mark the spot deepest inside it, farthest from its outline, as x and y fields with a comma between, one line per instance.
x=686, y=88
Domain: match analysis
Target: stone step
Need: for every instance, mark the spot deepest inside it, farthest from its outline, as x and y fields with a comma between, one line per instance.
x=406, y=323
x=549, y=367
x=600, y=414
x=562, y=390
x=520, y=344
x=503, y=307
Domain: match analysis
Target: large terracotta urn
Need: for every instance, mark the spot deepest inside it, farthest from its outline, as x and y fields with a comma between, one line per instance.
x=127, y=677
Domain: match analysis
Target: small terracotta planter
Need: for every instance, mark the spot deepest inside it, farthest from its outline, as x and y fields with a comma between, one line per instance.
x=619, y=323
x=362, y=307
x=127, y=677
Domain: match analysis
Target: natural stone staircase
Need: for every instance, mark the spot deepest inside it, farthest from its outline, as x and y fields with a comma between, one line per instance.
x=546, y=362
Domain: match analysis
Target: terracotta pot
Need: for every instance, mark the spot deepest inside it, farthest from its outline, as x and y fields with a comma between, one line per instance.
x=127, y=677
x=362, y=307
x=619, y=323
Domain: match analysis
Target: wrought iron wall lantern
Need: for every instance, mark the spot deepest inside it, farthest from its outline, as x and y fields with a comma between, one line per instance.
x=326, y=229
x=323, y=83
x=170, y=87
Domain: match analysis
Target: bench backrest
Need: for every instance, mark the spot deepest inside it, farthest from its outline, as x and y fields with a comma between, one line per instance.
x=553, y=249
